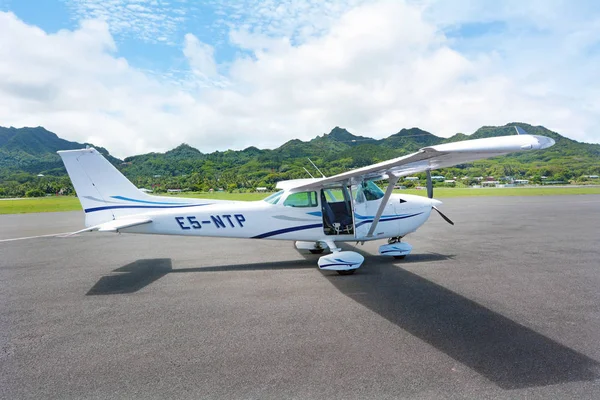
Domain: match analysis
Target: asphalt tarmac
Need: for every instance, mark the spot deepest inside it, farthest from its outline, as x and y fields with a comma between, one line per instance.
x=505, y=304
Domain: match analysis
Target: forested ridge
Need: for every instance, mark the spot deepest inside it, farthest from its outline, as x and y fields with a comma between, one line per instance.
x=26, y=153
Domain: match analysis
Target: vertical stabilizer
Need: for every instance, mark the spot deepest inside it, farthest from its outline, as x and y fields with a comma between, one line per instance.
x=105, y=193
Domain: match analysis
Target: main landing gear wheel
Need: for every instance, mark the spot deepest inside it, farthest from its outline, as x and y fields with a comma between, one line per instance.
x=346, y=272
x=344, y=262
x=316, y=251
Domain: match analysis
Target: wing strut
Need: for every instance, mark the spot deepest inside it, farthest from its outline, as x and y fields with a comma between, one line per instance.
x=429, y=184
x=392, y=182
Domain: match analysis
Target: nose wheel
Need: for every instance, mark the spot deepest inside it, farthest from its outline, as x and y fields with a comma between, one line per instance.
x=346, y=272
x=395, y=248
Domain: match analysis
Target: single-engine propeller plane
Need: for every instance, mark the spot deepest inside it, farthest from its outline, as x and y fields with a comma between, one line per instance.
x=315, y=213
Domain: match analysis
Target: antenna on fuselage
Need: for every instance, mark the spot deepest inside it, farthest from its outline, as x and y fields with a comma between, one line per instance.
x=309, y=174
x=317, y=168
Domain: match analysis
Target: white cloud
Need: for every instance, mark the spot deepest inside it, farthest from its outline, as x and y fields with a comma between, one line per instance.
x=299, y=21
x=374, y=69
x=202, y=63
x=151, y=21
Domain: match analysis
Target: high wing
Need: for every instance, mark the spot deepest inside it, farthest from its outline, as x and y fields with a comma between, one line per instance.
x=434, y=157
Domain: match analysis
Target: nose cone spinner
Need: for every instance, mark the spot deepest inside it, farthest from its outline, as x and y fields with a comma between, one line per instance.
x=435, y=203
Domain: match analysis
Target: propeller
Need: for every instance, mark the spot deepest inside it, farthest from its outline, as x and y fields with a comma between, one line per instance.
x=430, y=195
x=448, y=220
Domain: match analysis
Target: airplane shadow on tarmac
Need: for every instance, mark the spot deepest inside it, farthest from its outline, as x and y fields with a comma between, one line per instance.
x=504, y=351
x=137, y=275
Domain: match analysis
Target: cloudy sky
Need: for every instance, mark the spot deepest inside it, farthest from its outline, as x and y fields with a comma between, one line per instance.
x=146, y=75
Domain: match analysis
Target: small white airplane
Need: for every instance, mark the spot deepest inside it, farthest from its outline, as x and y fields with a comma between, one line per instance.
x=315, y=213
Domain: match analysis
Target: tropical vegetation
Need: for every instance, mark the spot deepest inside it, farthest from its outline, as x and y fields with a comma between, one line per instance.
x=30, y=166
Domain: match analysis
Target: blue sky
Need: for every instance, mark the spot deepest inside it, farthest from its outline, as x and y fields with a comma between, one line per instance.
x=141, y=75
x=146, y=44
x=150, y=33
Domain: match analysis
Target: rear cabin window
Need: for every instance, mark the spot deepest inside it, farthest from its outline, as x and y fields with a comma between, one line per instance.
x=301, y=199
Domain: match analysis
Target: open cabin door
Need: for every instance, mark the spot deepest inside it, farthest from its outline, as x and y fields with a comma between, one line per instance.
x=336, y=205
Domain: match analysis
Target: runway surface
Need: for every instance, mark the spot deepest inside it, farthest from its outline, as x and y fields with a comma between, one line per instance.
x=505, y=304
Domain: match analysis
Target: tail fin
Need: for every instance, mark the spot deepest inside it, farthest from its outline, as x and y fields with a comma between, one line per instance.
x=104, y=192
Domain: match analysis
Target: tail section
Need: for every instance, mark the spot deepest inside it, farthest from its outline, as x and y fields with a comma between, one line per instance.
x=105, y=193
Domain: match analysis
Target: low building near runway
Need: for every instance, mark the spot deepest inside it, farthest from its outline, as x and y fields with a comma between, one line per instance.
x=489, y=183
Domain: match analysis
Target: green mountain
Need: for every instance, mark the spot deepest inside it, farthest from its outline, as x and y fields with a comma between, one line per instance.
x=411, y=140
x=33, y=150
x=341, y=135
x=28, y=151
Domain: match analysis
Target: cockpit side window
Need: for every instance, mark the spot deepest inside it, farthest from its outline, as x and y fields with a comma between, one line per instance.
x=274, y=198
x=334, y=195
x=359, y=198
x=301, y=199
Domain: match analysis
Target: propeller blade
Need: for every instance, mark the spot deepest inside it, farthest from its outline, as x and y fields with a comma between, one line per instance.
x=429, y=185
x=443, y=216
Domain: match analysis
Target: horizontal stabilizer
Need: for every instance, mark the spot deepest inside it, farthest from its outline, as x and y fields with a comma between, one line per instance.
x=114, y=226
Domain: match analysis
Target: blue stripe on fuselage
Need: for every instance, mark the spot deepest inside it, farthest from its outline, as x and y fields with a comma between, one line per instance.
x=303, y=227
x=397, y=217
x=146, y=202
x=286, y=230
x=94, y=209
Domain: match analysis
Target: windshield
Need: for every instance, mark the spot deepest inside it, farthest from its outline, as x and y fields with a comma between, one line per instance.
x=274, y=198
x=368, y=191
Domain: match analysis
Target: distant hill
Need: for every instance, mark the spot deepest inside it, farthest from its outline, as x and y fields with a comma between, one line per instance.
x=33, y=150
x=411, y=140
x=26, y=152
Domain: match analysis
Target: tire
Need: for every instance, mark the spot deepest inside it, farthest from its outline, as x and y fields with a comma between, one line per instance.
x=346, y=272
x=399, y=257
x=316, y=251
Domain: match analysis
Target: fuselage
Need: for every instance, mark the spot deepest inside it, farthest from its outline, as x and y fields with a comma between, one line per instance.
x=402, y=215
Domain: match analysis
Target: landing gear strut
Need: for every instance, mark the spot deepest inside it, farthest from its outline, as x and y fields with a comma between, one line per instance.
x=393, y=240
